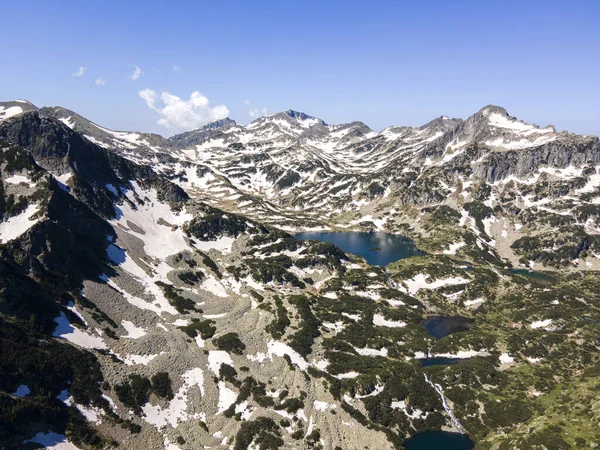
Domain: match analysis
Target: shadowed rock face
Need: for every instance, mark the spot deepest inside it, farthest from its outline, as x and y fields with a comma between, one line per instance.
x=105, y=137
x=60, y=150
x=210, y=131
x=577, y=152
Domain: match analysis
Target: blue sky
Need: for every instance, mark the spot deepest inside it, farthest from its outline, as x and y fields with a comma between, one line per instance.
x=381, y=62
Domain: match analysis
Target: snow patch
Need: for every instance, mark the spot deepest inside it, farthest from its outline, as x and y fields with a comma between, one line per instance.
x=68, y=122
x=162, y=234
x=11, y=111
x=323, y=406
x=541, y=324
x=22, y=391
x=18, y=179
x=51, y=440
x=19, y=224
x=143, y=360
x=216, y=358
x=371, y=351
x=420, y=282
x=227, y=397
x=452, y=248
x=133, y=331
x=65, y=330
x=275, y=348
x=381, y=321
x=222, y=244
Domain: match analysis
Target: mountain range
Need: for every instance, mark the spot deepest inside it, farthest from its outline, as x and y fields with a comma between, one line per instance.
x=151, y=295
x=296, y=172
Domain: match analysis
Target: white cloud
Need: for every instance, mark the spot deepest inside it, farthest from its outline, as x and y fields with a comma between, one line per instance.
x=246, y=102
x=80, y=72
x=176, y=68
x=255, y=112
x=137, y=72
x=100, y=82
x=178, y=114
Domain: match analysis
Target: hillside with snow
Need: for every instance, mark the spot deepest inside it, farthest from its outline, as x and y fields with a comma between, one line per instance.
x=506, y=180
x=151, y=295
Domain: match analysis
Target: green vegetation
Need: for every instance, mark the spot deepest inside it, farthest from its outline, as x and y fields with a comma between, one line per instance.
x=161, y=385
x=230, y=342
x=210, y=264
x=134, y=392
x=545, y=396
x=478, y=211
x=259, y=298
x=204, y=328
x=180, y=303
x=263, y=432
x=302, y=340
x=215, y=223
x=191, y=277
x=272, y=269
x=559, y=247
x=15, y=159
x=15, y=207
x=278, y=326
x=322, y=254
x=46, y=367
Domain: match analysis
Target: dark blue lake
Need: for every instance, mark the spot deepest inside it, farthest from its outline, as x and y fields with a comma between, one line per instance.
x=439, y=440
x=439, y=361
x=379, y=249
x=532, y=274
x=440, y=326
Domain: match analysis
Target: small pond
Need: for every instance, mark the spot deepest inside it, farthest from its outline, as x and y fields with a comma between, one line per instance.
x=379, y=249
x=439, y=361
x=440, y=326
x=439, y=440
x=534, y=275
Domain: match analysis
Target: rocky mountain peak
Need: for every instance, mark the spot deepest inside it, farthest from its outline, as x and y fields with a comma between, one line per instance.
x=493, y=126
x=298, y=117
x=493, y=109
x=442, y=123
x=223, y=123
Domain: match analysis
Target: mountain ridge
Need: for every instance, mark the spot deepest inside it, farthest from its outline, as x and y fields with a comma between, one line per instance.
x=295, y=172
x=290, y=113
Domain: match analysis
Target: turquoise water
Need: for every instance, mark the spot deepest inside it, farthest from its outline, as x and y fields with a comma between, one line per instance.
x=439, y=440
x=379, y=249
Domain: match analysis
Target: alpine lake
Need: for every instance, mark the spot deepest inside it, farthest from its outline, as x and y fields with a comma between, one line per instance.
x=378, y=249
